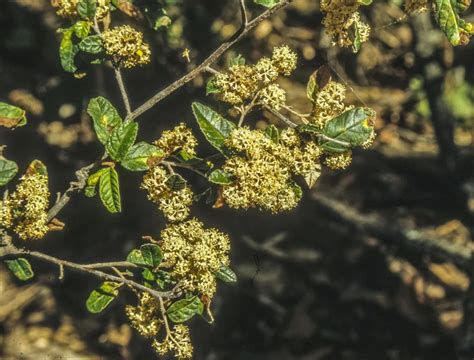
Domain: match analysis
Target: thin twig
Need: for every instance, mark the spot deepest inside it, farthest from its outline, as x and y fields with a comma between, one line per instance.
x=242, y=32
x=110, y=264
x=123, y=90
x=281, y=117
x=247, y=109
x=243, y=13
x=171, y=164
x=81, y=176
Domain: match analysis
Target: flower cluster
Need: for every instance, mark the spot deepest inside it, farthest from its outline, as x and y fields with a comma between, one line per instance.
x=177, y=341
x=180, y=138
x=338, y=161
x=26, y=210
x=68, y=8
x=173, y=203
x=126, y=46
x=257, y=82
x=263, y=169
x=194, y=255
x=328, y=103
x=144, y=317
x=342, y=22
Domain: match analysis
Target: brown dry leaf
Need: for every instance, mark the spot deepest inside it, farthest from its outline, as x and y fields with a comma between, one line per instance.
x=128, y=8
x=450, y=275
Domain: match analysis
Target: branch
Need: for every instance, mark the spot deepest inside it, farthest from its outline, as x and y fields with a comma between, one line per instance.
x=90, y=269
x=408, y=240
x=242, y=32
x=81, y=175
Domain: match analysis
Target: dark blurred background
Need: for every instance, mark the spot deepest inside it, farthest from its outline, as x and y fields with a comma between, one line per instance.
x=375, y=263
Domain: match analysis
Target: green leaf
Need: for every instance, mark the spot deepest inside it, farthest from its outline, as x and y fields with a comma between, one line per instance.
x=147, y=255
x=226, y=274
x=82, y=29
x=364, y=2
x=121, y=140
x=214, y=127
x=176, y=182
x=87, y=8
x=297, y=190
x=162, y=21
x=448, y=19
x=67, y=51
x=91, y=44
x=354, y=35
x=152, y=254
x=185, y=309
x=237, y=60
x=109, y=190
x=92, y=182
x=8, y=170
x=138, y=156
x=100, y=298
x=105, y=117
x=273, y=133
x=211, y=87
x=11, y=116
x=220, y=177
x=148, y=275
x=21, y=268
x=267, y=3
x=351, y=128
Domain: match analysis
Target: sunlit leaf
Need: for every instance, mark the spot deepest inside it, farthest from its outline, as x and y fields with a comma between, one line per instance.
x=185, y=309
x=100, y=298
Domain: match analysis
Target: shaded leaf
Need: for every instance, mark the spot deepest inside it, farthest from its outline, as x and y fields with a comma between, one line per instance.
x=11, y=116
x=100, y=298
x=121, y=140
x=185, y=309
x=104, y=116
x=317, y=81
x=87, y=8
x=273, y=133
x=220, y=177
x=214, y=127
x=138, y=155
x=226, y=274
x=109, y=190
x=21, y=268
x=176, y=182
x=8, y=170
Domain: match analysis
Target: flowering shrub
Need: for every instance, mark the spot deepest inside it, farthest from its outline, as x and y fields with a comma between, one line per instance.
x=176, y=276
